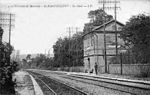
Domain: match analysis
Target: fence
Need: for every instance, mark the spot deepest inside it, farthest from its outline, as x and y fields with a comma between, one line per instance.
x=130, y=69
x=125, y=63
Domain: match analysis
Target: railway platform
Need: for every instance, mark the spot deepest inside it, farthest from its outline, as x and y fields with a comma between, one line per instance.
x=115, y=76
x=26, y=84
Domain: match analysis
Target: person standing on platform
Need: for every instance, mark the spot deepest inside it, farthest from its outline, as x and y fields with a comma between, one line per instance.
x=96, y=66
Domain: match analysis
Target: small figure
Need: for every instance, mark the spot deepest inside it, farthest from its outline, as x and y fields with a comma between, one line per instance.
x=96, y=66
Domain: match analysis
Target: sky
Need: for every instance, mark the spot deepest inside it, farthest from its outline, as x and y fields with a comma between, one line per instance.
x=38, y=28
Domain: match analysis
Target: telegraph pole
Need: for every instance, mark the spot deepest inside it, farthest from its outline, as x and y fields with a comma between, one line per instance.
x=116, y=39
x=10, y=36
x=10, y=29
x=77, y=46
x=104, y=2
x=6, y=22
x=69, y=31
x=105, y=52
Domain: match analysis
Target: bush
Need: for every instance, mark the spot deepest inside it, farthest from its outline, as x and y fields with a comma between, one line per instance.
x=6, y=83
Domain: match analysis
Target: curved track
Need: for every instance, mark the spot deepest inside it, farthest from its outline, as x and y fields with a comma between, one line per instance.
x=55, y=87
x=130, y=87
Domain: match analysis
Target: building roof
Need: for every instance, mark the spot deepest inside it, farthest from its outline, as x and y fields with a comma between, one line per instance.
x=105, y=24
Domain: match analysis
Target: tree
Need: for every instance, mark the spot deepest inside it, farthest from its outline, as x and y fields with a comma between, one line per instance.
x=7, y=68
x=97, y=17
x=28, y=57
x=40, y=61
x=136, y=35
x=69, y=51
x=58, y=52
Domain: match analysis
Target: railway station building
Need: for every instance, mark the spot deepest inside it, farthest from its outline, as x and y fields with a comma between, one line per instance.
x=94, y=47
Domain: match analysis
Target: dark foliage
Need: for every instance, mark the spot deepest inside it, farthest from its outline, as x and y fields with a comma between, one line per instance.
x=97, y=18
x=136, y=35
x=69, y=52
x=40, y=61
x=7, y=68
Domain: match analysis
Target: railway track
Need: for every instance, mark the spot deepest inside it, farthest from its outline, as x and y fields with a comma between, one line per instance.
x=126, y=86
x=117, y=79
x=129, y=87
x=51, y=86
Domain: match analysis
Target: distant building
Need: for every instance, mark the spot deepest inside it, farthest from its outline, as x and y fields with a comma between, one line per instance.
x=94, y=45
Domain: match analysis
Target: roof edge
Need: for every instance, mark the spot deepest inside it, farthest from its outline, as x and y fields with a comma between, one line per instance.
x=107, y=23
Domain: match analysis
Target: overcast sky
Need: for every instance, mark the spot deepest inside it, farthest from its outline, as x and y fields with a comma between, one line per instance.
x=37, y=29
